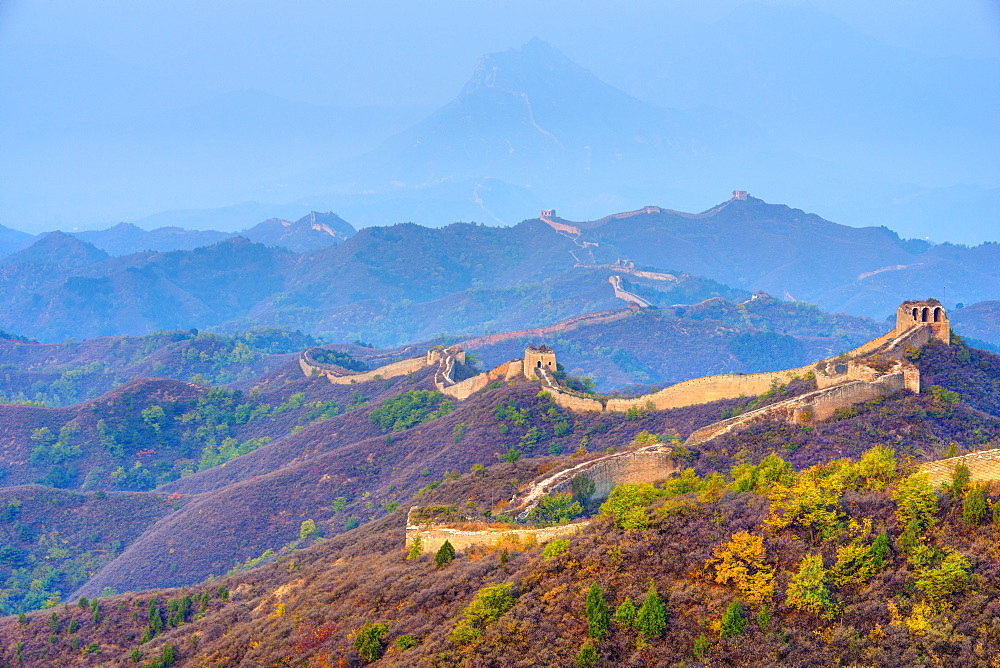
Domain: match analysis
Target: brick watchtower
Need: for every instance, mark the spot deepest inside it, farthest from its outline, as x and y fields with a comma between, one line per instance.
x=929, y=312
x=541, y=357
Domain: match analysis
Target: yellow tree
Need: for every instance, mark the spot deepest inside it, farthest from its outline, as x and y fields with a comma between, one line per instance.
x=743, y=561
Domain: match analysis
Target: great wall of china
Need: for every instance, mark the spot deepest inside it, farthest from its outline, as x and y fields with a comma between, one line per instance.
x=875, y=369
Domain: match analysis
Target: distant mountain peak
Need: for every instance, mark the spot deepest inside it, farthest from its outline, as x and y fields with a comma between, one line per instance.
x=525, y=67
x=58, y=248
x=314, y=230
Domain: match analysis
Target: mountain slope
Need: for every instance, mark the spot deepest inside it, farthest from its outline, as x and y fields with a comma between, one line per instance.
x=315, y=230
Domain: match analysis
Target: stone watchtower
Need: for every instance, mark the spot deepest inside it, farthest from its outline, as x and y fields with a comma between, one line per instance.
x=541, y=357
x=928, y=312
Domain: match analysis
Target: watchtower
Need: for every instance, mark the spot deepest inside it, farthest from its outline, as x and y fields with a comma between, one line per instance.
x=548, y=213
x=740, y=194
x=929, y=312
x=541, y=357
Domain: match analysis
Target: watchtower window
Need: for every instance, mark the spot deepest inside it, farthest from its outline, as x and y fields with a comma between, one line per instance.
x=924, y=314
x=937, y=315
x=538, y=364
x=914, y=315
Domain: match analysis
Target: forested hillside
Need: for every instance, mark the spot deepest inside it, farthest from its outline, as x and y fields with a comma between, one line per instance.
x=778, y=545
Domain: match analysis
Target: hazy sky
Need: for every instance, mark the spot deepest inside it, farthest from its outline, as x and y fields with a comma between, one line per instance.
x=82, y=80
x=391, y=52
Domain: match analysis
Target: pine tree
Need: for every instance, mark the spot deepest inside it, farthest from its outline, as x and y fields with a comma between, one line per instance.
x=625, y=614
x=974, y=506
x=652, y=617
x=598, y=616
x=444, y=554
x=587, y=657
x=733, y=621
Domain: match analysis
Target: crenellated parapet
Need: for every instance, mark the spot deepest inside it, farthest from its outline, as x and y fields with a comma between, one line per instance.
x=929, y=314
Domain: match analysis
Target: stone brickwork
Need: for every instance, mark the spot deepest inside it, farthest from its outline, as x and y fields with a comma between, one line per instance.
x=930, y=313
x=645, y=465
x=400, y=368
x=984, y=466
x=536, y=359
x=433, y=537
x=817, y=405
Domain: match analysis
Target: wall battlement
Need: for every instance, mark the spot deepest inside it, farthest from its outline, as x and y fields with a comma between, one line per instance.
x=841, y=381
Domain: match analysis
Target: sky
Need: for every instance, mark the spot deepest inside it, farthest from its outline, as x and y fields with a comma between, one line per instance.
x=390, y=52
x=81, y=79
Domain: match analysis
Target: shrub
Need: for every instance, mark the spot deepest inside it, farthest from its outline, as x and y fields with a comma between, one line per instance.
x=733, y=621
x=410, y=409
x=368, y=640
x=554, y=548
x=486, y=607
x=742, y=561
x=587, y=657
x=555, y=509
x=416, y=548
x=951, y=577
x=807, y=590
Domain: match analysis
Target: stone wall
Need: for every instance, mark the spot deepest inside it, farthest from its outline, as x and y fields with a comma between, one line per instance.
x=983, y=466
x=646, y=465
x=400, y=368
x=466, y=388
x=708, y=388
x=649, y=464
x=574, y=402
x=433, y=537
x=817, y=405
x=620, y=293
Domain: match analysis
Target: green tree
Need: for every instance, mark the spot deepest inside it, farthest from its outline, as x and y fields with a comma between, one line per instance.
x=974, y=506
x=960, y=477
x=807, y=590
x=763, y=618
x=625, y=614
x=598, y=616
x=486, y=607
x=858, y=561
x=168, y=656
x=701, y=643
x=554, y=548
x=368, y=640
x=651, y=620
x=733, y=621
x=306, y=529
x=583, y=488
x=587, y=657
x=951, y=577
x=416, y=548
x=444, y=554
x=916, y=509
x=627, y=501
x=555, y=509
x=878, y=466
x=155, y=617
